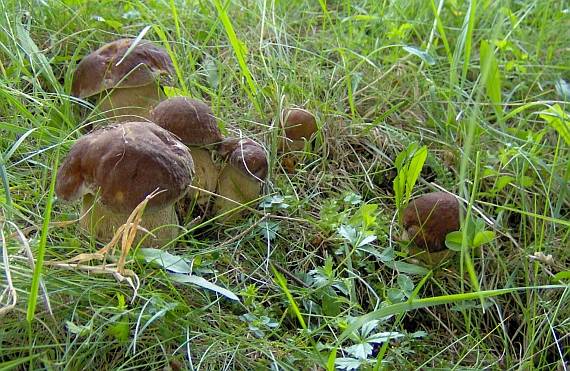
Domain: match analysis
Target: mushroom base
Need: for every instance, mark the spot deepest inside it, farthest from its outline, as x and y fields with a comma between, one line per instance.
x=236, y=186
x=205, y=176
x=130, y=104
x=101, y=223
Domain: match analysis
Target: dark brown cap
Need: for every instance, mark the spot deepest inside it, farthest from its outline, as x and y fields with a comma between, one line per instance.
x=125, y=163
x=246, y=155
x=298, y=123
x=429, y=218
x=98, y=71
x=191, y=120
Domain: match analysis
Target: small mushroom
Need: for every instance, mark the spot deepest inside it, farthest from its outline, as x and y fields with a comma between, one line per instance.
x=114, y=168
x=242, y=177
x=299, y=125
x=429, y=218
x=126, y=85
x=194, y=123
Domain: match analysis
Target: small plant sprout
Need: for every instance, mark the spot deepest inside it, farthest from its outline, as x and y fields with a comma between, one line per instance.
x=115, y=168
x=126, y=78
x=194, y=123
x=242, y=176
x=364, y=341
x=409, y=164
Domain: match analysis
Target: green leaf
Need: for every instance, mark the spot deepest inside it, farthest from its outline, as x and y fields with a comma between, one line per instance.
x=78, y=329
x=367, y=240
x=201, y=282
x=454, y=240
x=558, y=119
x=349, y=233
x=165, y=260
x=564, y=275
x=348, y=364
x=408, y=268
x=360, y=351
x=405, y=283
x=482, y=238
x=502, y=182
x=414, y=170
x=490, y=74
x=423, y=55
x=382, y=337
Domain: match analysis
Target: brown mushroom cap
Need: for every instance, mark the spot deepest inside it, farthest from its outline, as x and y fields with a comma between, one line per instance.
x=429, y=218
x=191, y=120
x=125, y=163
x=98, y=71
x=245, y=155
x=298, y=123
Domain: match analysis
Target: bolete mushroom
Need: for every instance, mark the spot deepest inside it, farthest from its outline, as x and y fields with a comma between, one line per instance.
x=194, y=123
x=114, y=168
x=126, y=83
x=429, y=218
x=298, y=125
x=242, y=176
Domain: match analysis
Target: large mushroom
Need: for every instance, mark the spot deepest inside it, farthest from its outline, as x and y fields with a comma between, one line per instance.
x=298, y=125
x=429, y=218
x=114, y=168
x=194, y=123
x=127, y=83
x=242, y=177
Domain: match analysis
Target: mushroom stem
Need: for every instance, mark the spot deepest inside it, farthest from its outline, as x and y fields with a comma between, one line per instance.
x=206, y=175
x=130, y=104
x=236, y=186
x=100, y=222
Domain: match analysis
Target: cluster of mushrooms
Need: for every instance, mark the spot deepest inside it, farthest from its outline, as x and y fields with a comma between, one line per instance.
x=174, y=147
x=152, y=144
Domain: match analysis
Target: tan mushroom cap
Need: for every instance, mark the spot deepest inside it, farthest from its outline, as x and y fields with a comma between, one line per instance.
x=247, y=156
x=98, y=71
x=191, y=120
x=298, y=123
x=125, y=163
x=429, y=218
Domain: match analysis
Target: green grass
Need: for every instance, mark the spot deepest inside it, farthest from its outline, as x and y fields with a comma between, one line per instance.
x=479, y=110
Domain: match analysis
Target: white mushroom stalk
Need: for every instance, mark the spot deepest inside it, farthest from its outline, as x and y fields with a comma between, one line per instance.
x=242, y=177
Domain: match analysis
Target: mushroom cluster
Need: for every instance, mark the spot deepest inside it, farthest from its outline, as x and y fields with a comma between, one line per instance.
x=178, y=154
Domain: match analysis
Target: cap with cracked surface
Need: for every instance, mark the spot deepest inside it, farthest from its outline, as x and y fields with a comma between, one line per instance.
x=429, y=218
x=98, y=71
x=298, y=123
x=191, y=120
x=125, y=163
x=246, y=155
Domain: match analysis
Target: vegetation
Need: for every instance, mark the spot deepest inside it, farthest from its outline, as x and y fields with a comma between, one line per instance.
x=410, y=97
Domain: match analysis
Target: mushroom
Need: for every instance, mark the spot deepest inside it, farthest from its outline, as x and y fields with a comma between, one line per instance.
x=299, y=125
x=242, y=177
x=114, y=168
x=194, y=123
x=429, y=218
x=126, y=83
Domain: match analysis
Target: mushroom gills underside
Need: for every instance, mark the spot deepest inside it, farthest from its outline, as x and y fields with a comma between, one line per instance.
x=236, y=186
x=99, y=222
x=130, y=104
